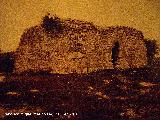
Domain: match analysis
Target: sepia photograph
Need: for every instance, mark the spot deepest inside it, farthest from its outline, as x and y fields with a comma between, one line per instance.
x=79, y=60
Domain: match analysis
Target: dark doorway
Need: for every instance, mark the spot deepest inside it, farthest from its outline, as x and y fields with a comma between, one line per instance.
x=115, y=53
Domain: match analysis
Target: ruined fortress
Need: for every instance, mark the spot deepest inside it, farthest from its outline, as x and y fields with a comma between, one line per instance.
x=72, y=46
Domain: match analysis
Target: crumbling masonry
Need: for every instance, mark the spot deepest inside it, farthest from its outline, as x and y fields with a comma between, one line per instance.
x=73, y=46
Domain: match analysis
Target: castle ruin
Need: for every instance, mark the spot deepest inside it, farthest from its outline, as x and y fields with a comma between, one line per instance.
x=73, y=46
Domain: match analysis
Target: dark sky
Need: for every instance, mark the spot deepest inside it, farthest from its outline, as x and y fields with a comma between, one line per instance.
x=17, y=15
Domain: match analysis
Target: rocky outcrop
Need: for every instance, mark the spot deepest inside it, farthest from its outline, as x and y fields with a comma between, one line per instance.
x=73, y=46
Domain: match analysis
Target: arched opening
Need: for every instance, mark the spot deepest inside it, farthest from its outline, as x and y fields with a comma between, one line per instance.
x=115, y=53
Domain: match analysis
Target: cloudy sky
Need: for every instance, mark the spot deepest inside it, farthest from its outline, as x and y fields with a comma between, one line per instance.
x=17, y=15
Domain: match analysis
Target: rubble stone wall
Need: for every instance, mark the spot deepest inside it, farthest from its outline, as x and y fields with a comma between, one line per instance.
x=80, y=47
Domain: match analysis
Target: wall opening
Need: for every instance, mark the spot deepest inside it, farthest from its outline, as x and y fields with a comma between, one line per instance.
x=115, y=53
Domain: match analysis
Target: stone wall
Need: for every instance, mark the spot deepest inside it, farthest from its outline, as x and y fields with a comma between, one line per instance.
x=73, y=46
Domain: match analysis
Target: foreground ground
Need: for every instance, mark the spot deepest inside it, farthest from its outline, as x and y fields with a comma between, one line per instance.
x=104, y=95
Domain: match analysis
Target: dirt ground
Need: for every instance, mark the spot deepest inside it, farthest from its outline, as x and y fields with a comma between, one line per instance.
x=103, y=95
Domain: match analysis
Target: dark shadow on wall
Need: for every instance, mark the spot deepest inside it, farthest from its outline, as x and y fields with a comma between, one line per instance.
x=115, y=53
